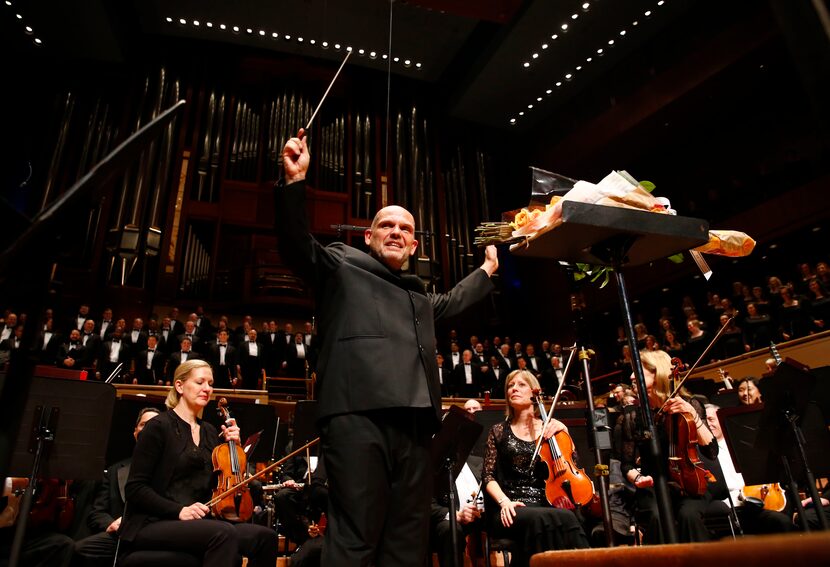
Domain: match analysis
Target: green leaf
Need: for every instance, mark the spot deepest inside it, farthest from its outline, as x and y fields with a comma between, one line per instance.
x=607, y=279
x=677, y=258
x=647, y=185
x=578, y=276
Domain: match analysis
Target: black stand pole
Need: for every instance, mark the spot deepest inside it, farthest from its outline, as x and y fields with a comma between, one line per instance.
x=448, y=465
x=601, y=471
x=45, y=435
x=808, y=472
x=792, y=486
x=661, y=487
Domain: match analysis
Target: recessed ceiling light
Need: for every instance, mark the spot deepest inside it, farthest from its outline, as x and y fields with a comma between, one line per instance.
x=18, y=16
x=610, y=42
x=396, y=59
x=535, y=56
x=568, y=76
x=325, y=45
x=209, y=24
x=558, y=83
x=236, y=29
x=773, y=246
x=544, y=46
x=223, y=27
x=182, y=21
x=530, y=106
x=275, y=35
x=816, y=229
x=648, y=13
x=635, y=23
x=29, y=30
x=622, y=32
x=660, y=3
x=525, y=64
x=586, y=5
x=574, y=16
x=261, y=32
x=418, y=65
x=337, y=46
x=361, y=51
x=196, y=23
x=299, y=39
x=522, y=113
x=600, y=50
x=549, y=91
x=312, y=41
x=249, y=30
x=287, y=37
x=168, y=18
x=384, y=56
x=579, y=67
x=512, y=120
x=38, y=41
x=538, y=99
x=8, y=3
x=564, y=27
x=348, y=48
x=554, y=36
x=373, y=54
x=589, y=59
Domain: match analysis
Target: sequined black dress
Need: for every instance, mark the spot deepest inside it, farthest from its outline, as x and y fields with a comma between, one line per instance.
x=537, y=527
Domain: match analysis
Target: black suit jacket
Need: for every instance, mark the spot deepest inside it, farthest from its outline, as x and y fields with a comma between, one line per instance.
x=153, y=374
x=295, y=367
x=109, y=499
x=175, y=360
x=50, y=354
x=77, y=353
x=459, y=380
x=371, y=321
x=156, y=453
x=93, y=348
x=222, y=375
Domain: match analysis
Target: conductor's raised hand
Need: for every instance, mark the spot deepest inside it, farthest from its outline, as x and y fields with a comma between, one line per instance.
x=491, y=260
x=295, y=158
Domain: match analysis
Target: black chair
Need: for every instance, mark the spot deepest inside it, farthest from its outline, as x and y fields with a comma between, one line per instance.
x=159, y=559
x=502, y=545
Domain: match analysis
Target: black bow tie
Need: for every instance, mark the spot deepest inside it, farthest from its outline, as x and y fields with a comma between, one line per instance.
x=223, y=344
x=116, y=341
x=88, y=334
x=151, y=350
x=189, y=335
x=74, y=344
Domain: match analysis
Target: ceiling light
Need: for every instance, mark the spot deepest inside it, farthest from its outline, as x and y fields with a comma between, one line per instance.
x=38, y=41
x=544, y=46
x=262, y=33
x=600, y=50
x=648, y=13
x=525, y=64
x=588, y=60
x=325, y=45
x=635, y=23
x=535, y=56
x=223, y=27
x=564, y=27
x=29, y=30
x=235, y=29
x=512, y=120
x=288, y=38
x=548, y=91
x=530, y=106
x=182, y=21
x=568, y=76
x=249, y=30
x=8, y=3
x=585, y=6
x=348, y=48
x=361, y=51
x=610, y=42
x=396, y=59
x=19, y=17
x=373, y=54
x=300, y=40
x=522, y=113
x=275, y=35
x=384, y=56
x=554, y=36
x=168, y=18
x=312, y=41
x=407, y=63
x=418, y=65
x=558, y=83
x=622, y=32
x=209, y=24
x=196, y=23
x=574, y=16
x=337, y=46
x=538, y=99
x=660, y=3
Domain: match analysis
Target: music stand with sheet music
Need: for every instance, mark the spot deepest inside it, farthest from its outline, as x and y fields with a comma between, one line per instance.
x=449, y=449
x=617, y=237
x=67, y=438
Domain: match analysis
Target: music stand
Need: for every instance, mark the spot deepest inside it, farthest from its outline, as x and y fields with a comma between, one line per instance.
x=786, y=394
x=617, y=237
x=67, y=438
x=449, y=450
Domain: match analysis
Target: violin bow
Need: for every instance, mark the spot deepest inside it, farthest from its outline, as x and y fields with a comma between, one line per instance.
x=553, y=404
x=219, y=497
x=695, y=365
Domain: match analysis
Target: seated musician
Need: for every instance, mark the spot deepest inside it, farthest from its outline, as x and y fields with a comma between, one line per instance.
x=170, y=479
x=638, y=466
x=524, y=514
x=290, y=501
x=748, y=391
x=317, y=500
x=754, y=518
x=104, y=518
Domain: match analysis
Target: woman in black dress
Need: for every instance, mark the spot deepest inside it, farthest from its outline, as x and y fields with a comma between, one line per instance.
x=170, y=478
x=524, y=514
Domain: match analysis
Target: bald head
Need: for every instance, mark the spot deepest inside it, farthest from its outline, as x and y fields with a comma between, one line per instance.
x=391, y=238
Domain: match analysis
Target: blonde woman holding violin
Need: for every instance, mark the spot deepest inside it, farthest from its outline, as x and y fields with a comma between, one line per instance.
x=516, y=487
x=638, y=466
x=170, y=478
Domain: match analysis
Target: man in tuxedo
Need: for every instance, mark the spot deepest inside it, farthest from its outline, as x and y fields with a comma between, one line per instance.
x=535, y=363
x=136, y=337
x=479, y=356
x=506, y=361
x=379, y=396
x=467, y=376
x=47, y=344
x=104, y=518
x=493, y=379
x=240, y=334
x=546, y=353
x=443, y=375
x=251, y=360
x=78, y=321
x=553, y=375
x=8, y=329
x=184, y=354
x=203, y=325
x=175, y=325
x=454, y=359
x=91, y=341
x=72, y=354
x=224, y=360
x=296, y=356
x=107, y=325
x=114, y=352
x=274, y=345
x=149, y=364
x=190, y=334
x=168, y=339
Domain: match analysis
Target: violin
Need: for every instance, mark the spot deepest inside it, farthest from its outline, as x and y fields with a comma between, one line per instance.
x=769, y=496
x=229, y=463
x=567, y=485
x=686, y=469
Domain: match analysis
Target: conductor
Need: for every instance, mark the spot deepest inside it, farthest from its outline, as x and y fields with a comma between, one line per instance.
x=379, y=394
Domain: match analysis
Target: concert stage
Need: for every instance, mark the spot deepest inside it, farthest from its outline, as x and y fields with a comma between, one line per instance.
x=790, y=549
